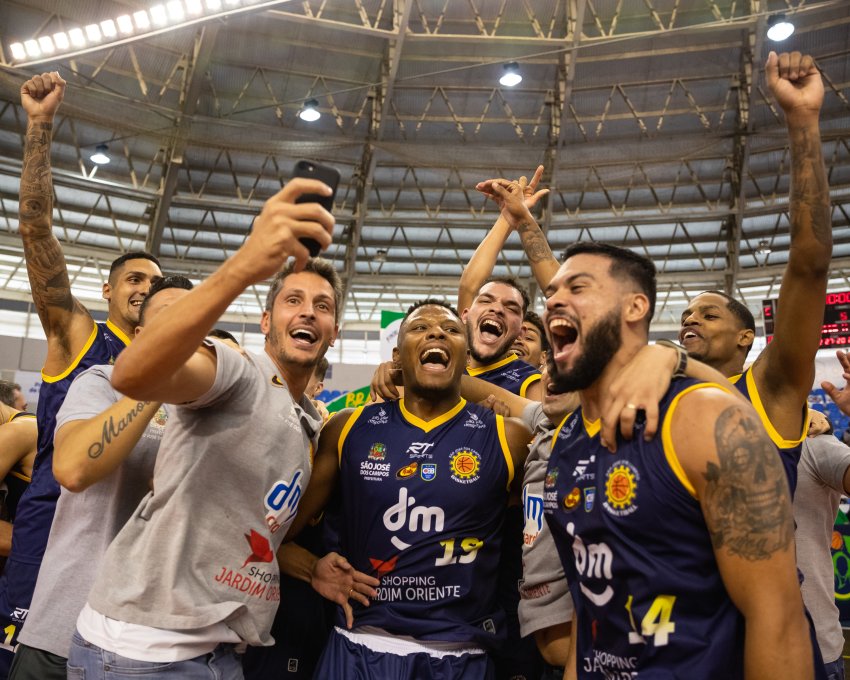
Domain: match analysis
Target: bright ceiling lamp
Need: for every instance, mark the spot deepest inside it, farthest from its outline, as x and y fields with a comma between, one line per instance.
x=310, y=112
x=100, y=157
x=511, y=75
x=163, y=16
x=779, y=28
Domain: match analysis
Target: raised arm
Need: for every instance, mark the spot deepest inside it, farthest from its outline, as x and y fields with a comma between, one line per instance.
x=480, y=266
x=741, y=486
x=66, y=322
x=164, y=363
x=786, y=366
x=514, y=209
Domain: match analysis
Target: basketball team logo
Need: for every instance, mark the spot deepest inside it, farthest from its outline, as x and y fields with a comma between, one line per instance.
x=551, y=478
x=160, y=417
x=465, y=465
x=407, y=471
x=428, y=471
x=378, y=451
x=621, y=483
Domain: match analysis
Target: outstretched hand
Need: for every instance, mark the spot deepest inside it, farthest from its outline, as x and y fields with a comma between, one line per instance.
x=796, y=83
x=526, y=191
x=41, y=95
x=336, y=580
x=841, y=397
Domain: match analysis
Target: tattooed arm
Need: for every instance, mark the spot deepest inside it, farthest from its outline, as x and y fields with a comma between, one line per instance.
x=96, y=433
x=515, y=211
x=741, y=486
x=785, y=370
x=66, y=322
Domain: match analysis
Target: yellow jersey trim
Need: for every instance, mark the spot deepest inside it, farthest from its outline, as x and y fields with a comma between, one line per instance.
x=122, y=336
x=346, y=429
x=525, y=385
x=667, y=437
x=775, y=437
x=428, y=425
x=592, y=427
x=483, y=369
x=20, y=475
x=75, y=362
x=558, y=430
x=506, y=450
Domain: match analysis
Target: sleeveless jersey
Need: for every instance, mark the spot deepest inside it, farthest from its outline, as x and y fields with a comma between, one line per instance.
x=649, y=598
x=16, y=480
x=510, y=373
x=422, y=506
x=37, y=504
x=789, y=450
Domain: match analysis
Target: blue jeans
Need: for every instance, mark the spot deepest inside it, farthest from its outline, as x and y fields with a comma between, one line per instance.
x=89, y=662
x=835, y=669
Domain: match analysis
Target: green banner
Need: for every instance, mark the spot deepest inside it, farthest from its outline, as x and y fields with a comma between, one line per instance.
x=351, y=399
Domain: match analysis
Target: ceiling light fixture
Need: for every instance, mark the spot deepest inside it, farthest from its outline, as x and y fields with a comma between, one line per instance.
x=778, y=27
x=511, y=75
x=100, y=157
x=764, y=248
x=381, y=255
x=310, y=112
x=166, y=15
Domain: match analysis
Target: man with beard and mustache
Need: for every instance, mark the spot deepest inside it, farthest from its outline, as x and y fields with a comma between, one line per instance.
x=193, y=572
x=682, y=562
x=423, y=485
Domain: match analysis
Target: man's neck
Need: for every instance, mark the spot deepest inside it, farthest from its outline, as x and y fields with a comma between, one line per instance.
x=592, y=397
x=430, y=405
x=730, y=367
x=122, y=325
x=295, y=376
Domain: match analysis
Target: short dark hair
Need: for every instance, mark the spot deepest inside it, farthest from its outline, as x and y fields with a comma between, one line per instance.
x=163, y=283
x=118, y=262
x=624, y=262
x=429, y=302
x=513, y=283
x=534, y=319
x=321, y=369
x=317, y=265
x=739, y=310
x=222, y=334
x=7, y=392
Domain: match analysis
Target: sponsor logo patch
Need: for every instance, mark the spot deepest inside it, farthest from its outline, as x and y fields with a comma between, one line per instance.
x=407, y=471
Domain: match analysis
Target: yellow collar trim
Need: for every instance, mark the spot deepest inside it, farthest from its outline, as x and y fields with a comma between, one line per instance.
x=122, y=336
x=428, y=425
x=483, y=369
x=592, y=427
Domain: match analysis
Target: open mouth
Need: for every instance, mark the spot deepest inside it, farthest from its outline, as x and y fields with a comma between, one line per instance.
x=689, y=334
x=434, y=359
x=136, y=303
x=564, y=336
x=491, y=330
x=303, y=337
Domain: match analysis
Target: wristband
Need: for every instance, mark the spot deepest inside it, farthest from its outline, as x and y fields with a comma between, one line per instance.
x=682, y=362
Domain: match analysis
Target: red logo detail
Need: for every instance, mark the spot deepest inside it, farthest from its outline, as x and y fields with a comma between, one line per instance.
x=261, y=550
x=383, y=566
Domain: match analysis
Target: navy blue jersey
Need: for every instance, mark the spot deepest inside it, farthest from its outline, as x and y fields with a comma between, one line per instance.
x=510, y=373
x=422, y=506
x=38, y=503
x=648, y=594
x=16, y=480
x=789, y=450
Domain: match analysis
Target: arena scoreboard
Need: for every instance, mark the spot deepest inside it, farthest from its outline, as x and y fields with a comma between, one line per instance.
x=835, y=331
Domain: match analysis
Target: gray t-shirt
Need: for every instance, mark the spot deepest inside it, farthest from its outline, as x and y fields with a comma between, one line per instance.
x=86, y=522
x=820, y=485
x=200, y=548
x=544, y=595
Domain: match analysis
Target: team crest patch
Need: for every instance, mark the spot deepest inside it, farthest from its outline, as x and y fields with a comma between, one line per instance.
x=407, y=471
x=621, y=483
x=428, y=471
x=380, y=418
x=572, y=499
x=551, y=478
x=465, y=464
x=589, y=497
x=160, y=417
x=277, y=382
x=378, y=451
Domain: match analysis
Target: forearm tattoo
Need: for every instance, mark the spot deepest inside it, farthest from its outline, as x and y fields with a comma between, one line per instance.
x=534, y=241
x=36, y=180
x=112, y=430
x=746, y=501
x=809, y=203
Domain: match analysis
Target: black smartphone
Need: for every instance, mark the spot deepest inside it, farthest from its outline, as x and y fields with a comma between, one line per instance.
x=323, y=173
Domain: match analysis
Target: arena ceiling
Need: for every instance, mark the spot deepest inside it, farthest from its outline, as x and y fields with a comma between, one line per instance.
x=651, y=118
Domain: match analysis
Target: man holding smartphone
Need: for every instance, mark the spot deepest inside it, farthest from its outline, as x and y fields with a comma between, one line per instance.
x=193, y=573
